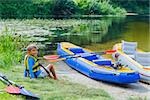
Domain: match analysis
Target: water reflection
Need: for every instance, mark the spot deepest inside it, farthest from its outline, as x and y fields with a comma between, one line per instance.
x=106, y=30
x=93, y=31
x=138, y=31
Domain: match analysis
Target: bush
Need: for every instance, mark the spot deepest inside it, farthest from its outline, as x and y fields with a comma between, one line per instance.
x=106, y=8
x=133, y=6
x=56, y=8
x=63, y=8
x=102, y=7
x=9, y=53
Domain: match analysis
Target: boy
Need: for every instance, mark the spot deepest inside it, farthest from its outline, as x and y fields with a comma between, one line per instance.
x=33, y=68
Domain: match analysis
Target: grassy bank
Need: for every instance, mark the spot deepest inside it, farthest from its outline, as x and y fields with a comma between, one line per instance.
x=51, y=89
x=45, y=88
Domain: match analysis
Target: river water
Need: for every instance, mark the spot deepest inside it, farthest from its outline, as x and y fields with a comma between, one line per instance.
x=103, y=33
x=95, y=34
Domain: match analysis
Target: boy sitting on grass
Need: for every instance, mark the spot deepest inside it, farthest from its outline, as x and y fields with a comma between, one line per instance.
x=33, y=68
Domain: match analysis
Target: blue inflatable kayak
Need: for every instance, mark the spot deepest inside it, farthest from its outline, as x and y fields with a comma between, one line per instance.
x=95, y=66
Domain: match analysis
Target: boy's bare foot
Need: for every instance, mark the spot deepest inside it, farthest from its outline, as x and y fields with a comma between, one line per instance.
x=55, y=78
x=49, y=76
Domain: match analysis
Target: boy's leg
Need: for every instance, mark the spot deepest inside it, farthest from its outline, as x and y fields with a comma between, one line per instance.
x=51, y=69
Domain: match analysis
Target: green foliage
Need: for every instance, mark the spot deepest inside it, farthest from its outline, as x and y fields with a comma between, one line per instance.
x=55, y=8
x=9, y=54
x=134, y=6
x=24, y=9
x=36, y=8
x=83, y=6
x=63, y=7
x=106, y=8
x=102, y=7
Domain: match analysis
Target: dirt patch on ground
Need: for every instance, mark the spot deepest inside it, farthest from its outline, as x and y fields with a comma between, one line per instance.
x=119, y=92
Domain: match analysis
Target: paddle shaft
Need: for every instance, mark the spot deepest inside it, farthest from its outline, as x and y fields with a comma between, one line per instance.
x=61, y=59
x=11, y=82
x=100, y=53
x=106, y=52
x=4, y=81
x=46, y=70
x=59, y=56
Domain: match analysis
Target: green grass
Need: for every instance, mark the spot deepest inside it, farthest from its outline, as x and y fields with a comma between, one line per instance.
x=6, y=96
x=49, y=89
x=137, y=98
x=8, y=50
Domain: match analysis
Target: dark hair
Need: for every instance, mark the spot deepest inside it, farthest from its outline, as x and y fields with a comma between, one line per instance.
x=31, y=46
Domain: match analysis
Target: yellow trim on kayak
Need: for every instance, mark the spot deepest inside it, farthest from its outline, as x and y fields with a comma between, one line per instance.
x=69, y=45
x=87, y=50
x=125, y=69
x=66, y=45
x=66, y=50
x=106, y=67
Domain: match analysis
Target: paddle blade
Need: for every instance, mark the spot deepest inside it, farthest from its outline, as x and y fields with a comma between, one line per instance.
x=23, y=91
x=56, y=60
x=51, y=57
x=12, y=90
x=110, y=51
x=146, y=68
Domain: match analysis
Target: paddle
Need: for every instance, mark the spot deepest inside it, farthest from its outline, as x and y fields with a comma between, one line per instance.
x=106, y=52
x=22, y=90
x=60, y=56
x=10, y=89
x=51, y=58
x=146, y=68
x=56, y=58
x=45, y=70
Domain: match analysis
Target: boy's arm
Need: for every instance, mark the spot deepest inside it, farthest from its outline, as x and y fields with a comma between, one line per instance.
x=31, y=64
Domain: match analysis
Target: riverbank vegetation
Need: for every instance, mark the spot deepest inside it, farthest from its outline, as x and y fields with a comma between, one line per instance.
x=56, y=8
x=70, y=8
x=9, y=53
x=140, y=7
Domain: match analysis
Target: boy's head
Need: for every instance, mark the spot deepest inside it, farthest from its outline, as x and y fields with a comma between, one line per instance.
x=32, y=49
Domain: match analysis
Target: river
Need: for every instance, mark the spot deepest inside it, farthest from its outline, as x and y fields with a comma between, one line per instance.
x=103, y=33
x=96, y=34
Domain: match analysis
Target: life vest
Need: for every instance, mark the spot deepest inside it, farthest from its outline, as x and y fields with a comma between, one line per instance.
x=36, y=66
